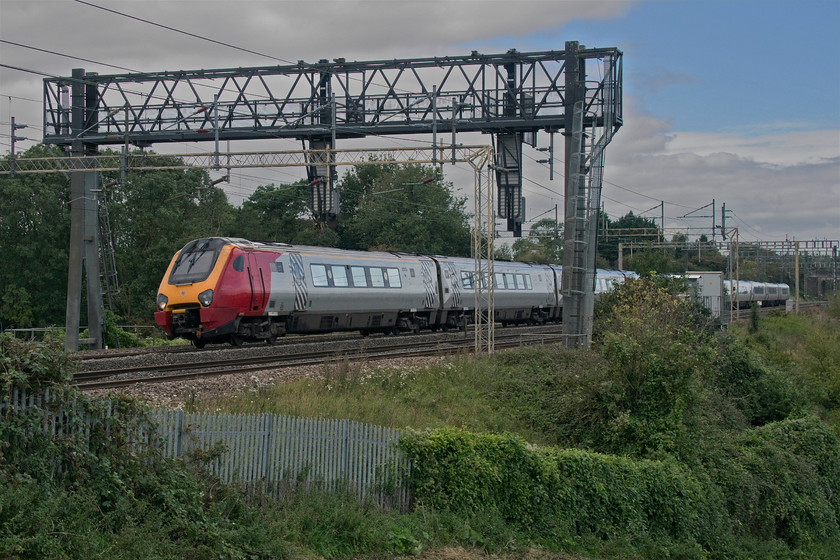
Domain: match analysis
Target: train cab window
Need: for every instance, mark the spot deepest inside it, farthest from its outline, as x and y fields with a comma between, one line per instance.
x=394, y=278
x=239, y=263
x=466, y=280
x=319, y=276
x=196, y=261
x=339, y=276
x=358, y=275
x=377, y=280
x=500, y=281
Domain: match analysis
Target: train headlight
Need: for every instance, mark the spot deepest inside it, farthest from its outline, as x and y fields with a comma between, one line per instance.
x=162, y=300
x=205, y=298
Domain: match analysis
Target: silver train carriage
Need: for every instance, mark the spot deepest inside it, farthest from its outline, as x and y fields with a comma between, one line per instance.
x=233, y=290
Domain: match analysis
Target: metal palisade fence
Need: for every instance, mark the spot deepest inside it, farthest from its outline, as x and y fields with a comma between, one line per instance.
x=264, y=453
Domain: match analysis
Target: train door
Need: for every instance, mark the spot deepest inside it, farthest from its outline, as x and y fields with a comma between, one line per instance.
x=257, y=282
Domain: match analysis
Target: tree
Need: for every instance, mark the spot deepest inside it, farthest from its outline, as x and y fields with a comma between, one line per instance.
x=544, y=243
x=34, y=229
x=626, y=229
x=153, y=215
x=395, y=207
x=280, y=213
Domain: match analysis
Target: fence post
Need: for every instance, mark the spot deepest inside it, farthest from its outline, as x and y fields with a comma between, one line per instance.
x=268, y=426
x=179, y=425
x=344, y=428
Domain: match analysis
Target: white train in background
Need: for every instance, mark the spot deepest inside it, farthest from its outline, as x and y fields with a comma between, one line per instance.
x=765, y=294
x=717, y=294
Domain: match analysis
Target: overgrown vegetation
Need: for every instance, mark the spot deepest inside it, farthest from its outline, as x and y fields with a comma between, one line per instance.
x=668, y=440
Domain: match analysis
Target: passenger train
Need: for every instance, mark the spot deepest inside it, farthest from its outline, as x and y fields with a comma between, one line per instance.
x=764, y=294
x=233, y=290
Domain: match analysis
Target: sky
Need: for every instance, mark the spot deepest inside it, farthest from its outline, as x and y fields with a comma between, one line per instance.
x=734, y=101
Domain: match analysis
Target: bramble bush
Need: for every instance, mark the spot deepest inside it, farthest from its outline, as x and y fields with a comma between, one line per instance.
x=94, y=482
x=92, y=486
x=33, y=365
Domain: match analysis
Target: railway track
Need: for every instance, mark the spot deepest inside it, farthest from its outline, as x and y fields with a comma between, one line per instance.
x=744, y=314
x=93, y=355
x=298, y=352
x=407, y=347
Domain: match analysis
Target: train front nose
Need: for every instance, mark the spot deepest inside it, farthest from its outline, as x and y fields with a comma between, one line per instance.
x=187, y=289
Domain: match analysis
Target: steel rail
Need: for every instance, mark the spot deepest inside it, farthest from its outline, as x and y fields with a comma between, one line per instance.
x=100, y=379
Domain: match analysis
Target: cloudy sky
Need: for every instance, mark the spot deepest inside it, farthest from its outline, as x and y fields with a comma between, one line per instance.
x=736, y=101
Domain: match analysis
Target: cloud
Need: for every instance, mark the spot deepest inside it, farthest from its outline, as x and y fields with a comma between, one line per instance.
x=777, y=178
x=657, y=78
x=287, y=30
x=777, y=185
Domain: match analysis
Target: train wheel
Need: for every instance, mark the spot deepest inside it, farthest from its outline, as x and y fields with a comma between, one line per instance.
x=198, y=343
x=271, y=340
x=236, y=340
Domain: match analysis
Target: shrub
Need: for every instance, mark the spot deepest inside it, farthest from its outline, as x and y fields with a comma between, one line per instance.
x=658, y=348
x=33, y=365
x=560, y=494
x=761, y=393
x=115, y=337
x=67, y=492
x=782, y=481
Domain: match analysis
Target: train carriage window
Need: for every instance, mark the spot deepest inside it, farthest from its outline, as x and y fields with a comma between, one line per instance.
x=394, y=278
x=520, y=281
x=319, y=275
x=359, y=278
x=528, y=285
x=500, y=280
x=466, y=280
x=509, y=281
x=339, y=276
x=376, y=278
